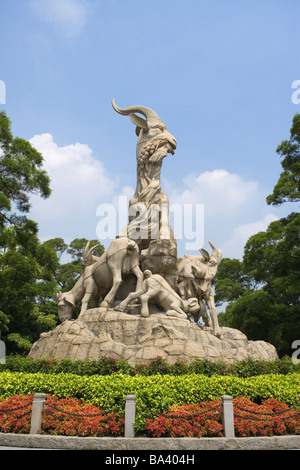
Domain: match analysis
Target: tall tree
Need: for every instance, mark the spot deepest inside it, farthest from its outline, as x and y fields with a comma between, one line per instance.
x=262, y=291
x=21, y=175
x=287, y=188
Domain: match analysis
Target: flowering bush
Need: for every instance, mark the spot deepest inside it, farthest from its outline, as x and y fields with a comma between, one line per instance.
x=80, y=419
x=270, y=418
x=76, y=418
x=15, y=414
x=110, y=365
x=187, y=421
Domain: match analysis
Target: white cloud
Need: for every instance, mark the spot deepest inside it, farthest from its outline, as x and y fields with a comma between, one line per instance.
x=221, y=192
x=234, y=247
x=79, y=183
x=229, y=201
x=68, y=15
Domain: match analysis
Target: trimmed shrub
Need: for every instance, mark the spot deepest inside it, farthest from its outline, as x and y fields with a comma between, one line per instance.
x=155, y=392
x=109, y=366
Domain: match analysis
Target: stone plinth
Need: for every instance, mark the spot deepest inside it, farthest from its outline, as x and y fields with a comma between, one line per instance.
x=106, y=332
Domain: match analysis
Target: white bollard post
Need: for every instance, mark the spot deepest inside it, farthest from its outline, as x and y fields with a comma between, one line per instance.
x=227, y=416
x=38, y=405
x=130, y=409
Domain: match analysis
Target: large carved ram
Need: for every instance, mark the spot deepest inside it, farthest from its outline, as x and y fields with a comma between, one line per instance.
x=195, y=275
x=155, y=287
x=153, y=144
x=102, y=278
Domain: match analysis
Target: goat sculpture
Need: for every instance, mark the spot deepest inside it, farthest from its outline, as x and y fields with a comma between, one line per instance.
x=195, y=275
x=157, y=288
x=101, y=278
x=88, y=257
x=153, y=144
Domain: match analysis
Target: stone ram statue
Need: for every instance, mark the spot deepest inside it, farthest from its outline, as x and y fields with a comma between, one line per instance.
x=102, y=278
x=87, y=257
x=195, y=275
x=153, y=144
x=155, y=287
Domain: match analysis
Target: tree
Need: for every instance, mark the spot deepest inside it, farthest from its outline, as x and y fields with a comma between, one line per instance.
x=21, y=174
x=30, y=280
x=262, y=291
x=26, y=289
x=231, y=281
x=31, y=272
x=287, y=188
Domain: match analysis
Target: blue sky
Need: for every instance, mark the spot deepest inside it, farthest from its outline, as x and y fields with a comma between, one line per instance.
x=218, y=72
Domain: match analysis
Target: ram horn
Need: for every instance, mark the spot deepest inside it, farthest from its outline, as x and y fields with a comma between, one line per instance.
x=147, y=112
x=215, y=251
x=86, y=249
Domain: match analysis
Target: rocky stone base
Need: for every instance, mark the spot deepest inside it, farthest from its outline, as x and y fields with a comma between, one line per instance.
x=106, y=332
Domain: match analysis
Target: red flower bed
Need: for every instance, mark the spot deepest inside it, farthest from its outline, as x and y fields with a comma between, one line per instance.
x=188, y=421
x=15, y=414
x=77, y=419
x=270, y=418
x=80, y=419
x=73, y=417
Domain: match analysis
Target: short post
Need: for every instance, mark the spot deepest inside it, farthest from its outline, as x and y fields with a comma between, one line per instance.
x=130, y=409
x=227, y=416
x=38, y=405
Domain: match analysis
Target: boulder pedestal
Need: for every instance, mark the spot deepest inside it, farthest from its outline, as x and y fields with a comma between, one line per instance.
x=105, y=332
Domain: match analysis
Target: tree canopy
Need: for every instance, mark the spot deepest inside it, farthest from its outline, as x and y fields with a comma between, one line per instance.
x=287, y=188
x=31, y=272
x=262, y=290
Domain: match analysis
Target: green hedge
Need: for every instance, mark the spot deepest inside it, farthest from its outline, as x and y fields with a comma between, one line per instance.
x=108, y=366
x=156, y=392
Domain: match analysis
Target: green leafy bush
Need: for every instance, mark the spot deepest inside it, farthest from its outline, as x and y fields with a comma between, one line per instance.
x=155, y=392
x=109, y=365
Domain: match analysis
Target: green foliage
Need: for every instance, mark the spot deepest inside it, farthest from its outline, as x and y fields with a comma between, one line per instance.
x=21, y=174
x=231, y=281
x=287, y=188
x=31, y=274
x=262, y=291
x=109, y=366
x=156, y=392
